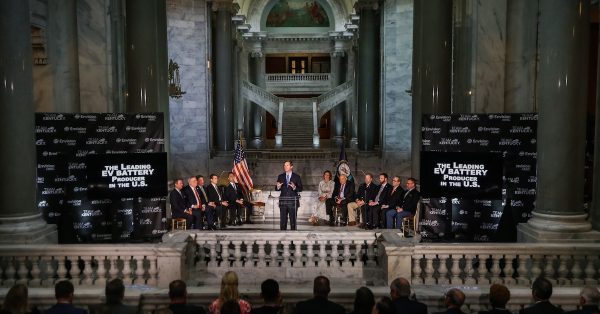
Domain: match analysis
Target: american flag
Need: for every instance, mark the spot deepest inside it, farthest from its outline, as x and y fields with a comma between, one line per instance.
x=240, y=169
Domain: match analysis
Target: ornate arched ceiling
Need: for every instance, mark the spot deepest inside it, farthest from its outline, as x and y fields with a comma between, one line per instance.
x=254, y=10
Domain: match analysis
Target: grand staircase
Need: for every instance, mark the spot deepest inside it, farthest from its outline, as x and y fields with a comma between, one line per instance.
x=297, y=129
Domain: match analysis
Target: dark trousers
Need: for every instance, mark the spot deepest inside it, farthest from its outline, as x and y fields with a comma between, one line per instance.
x=330, y=204
x=209, y=214
x=234, y=212
x=375, y=212
x=219, y=213
x=190, y=220
x=285, y=211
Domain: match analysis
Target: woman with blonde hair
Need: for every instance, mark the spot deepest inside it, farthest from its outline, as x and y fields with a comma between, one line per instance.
x=16, y=302
x=229, y=292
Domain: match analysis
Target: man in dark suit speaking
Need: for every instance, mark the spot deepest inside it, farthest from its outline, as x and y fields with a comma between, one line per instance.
x=290, y=185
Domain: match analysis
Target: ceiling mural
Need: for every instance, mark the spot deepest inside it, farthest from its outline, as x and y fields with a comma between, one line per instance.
x=297, y=13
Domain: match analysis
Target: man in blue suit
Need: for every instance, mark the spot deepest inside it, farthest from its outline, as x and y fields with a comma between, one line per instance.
x=290, y=185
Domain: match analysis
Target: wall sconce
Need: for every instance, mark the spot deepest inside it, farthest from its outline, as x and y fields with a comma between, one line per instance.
x=174, y=81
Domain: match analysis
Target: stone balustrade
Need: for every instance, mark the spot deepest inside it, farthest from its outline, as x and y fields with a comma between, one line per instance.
x=291, y=257
x=487, y=263
x=92, y=265
x=297, y=77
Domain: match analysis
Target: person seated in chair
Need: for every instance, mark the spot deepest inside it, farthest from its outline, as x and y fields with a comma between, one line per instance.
x=376, y=206
x=394, y=199
x=366, y=193
x=179, y=208
x=194, y=202
x=235, y=198
x=343, y=192
x=407, y=207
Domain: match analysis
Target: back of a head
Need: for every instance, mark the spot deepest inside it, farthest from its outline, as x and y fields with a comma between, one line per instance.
x=231, y=307
x=591, y=295
x=229, y=287
x=63, y=289
x=16, y=300
x=455, y=297
x=400, y=287
x=363, y=301
x=177, y=289
x=541, y=289
x=115, y=290
x=269, y=290
x=385, y=306
x=499, y=295
x=321, y=287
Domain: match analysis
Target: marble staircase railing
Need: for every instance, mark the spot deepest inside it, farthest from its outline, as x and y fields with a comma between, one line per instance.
x=92, y=264
x=486, y=263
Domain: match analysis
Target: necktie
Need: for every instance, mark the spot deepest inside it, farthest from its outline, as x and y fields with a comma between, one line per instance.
x=197, y=197
x=342, y=190
x=379, y=194
x=217, y=189
x=203, y=193
x=234, y=187
x=287, y=179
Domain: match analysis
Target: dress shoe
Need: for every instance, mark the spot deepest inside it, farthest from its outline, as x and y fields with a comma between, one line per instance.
x=361, y=225
x=352, y=223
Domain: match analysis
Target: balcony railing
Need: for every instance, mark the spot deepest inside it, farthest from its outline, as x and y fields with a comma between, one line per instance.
x=299, y=83
x=297, y=77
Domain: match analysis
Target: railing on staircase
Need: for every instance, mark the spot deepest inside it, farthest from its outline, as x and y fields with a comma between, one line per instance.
x=333, y=97
x=262, y=98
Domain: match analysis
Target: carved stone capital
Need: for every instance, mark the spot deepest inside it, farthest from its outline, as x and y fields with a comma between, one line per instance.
x=228, y=5
x=366, y=4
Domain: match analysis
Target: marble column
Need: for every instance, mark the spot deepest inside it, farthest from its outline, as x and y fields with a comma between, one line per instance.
x=338, y=112
x=521, y=50
x=432, y=67
x=223, y=108
x=595, y=208
x=351, y=105
x=368, y=89
x=63, y=54
x=20, y=219
x=147, y=61
x=147, y=64
x=118, y=47
x=256, y=71
x=561, y=91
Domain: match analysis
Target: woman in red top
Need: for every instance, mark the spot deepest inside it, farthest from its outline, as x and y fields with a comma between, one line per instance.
x=229, y=291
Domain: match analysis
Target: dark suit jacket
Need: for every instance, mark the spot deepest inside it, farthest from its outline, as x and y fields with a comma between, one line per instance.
x=189, y=196
x=586, y=309
x=543, y=307
x=496, y=311
x=186, y=309
x=384, y=196
x=319, y=306
x=407, y=306
x=410, y=200
x=113, y=309
x=212, y=194
x=396, y=198
x=266, y=310
x=451, y=311
x=231, y=195
x=65, y=309
x=348, y=192
x=178, y=203
x=365, y=193
x=287, y=191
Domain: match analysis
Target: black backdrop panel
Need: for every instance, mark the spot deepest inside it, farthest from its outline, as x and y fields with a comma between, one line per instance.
x=511, y=135
x=63, y=142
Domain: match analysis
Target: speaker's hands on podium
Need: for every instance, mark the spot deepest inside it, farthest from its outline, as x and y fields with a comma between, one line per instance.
x=279, y=184
x=292, y=185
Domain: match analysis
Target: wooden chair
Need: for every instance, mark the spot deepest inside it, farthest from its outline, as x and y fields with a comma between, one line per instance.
x=410, y=225
x=178, y=224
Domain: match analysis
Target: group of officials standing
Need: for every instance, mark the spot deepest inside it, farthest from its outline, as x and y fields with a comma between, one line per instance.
x=380, y=205
x=201, y=204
